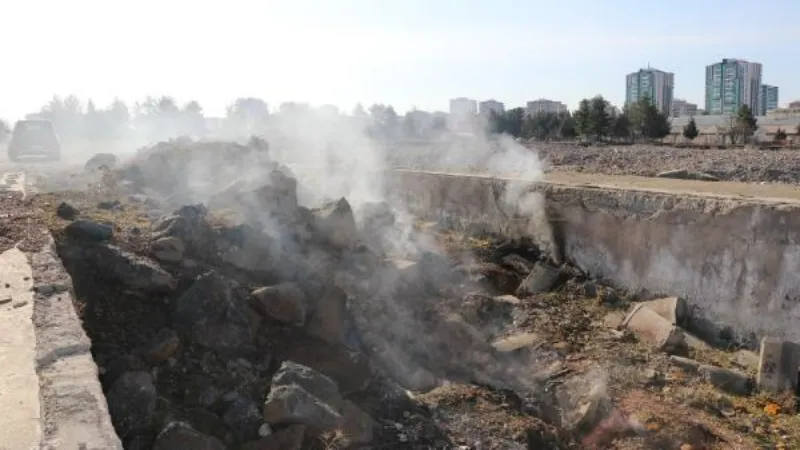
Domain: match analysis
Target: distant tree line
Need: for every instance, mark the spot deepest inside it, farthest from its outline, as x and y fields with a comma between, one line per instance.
x=594, y=120
x=162, y=118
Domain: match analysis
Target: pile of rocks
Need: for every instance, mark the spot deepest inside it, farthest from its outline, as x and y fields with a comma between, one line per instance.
x=277, y=330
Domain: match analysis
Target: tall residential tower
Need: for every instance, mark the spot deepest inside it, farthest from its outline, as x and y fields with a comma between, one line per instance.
x=768, y=99
x=654, y=84
x=732, y=83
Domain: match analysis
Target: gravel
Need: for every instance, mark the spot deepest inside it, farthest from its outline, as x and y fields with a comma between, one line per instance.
x=779, y=166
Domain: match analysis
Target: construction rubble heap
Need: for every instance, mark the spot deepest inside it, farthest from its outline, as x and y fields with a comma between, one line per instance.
x=224, y=314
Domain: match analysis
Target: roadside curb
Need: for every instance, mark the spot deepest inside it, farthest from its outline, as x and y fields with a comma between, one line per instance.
x=74, y=409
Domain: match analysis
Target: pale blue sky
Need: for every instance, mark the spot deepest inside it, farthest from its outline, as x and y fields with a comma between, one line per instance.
x=403, y=52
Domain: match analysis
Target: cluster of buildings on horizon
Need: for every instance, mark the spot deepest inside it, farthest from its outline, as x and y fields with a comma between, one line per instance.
x=729, y=84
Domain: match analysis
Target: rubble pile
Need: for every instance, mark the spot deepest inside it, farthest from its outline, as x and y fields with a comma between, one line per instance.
x=249, y=321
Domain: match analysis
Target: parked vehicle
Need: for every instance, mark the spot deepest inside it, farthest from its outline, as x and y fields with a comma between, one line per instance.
x=34, y=137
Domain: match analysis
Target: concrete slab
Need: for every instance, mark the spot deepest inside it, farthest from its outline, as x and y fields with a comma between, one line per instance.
x=19, y=384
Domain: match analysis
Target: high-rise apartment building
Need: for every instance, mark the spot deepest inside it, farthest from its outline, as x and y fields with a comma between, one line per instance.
x=544, y=106
x=485, y=108
x=463, y=106
x=732, y=83
x=768, y=99
x=654, y=84
x=681, y=108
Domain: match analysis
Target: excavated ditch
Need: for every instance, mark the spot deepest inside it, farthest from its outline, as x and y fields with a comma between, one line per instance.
x=258, y=323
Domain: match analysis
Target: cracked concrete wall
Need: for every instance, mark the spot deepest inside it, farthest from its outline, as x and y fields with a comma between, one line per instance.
x=735, y=262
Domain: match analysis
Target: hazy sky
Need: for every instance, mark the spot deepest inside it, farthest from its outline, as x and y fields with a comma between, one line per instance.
x=403, y=52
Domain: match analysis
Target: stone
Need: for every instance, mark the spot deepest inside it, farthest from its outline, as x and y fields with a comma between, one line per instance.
x=244, y=418
x=214, y=314
x=331, y=320
x=285, y=302
x=162, y=347
x=294, y=405
x=132, y=402
x=110, y=205
x=289, y=438
x=673, y=309
x=87, y=230
x=655, y=330
x=683, y=174
x=313, y=382
x=67, y=211
x=136, y=272
x=180, y=436
x=335, y=223
x=779, y=364
x=99, y=161
x=357, y=426
x=168, y=249
x=205, y=422
x=350, y=369
x=731, y=381
x=188, y=224
x=517, y=342
x=543, y=278
x=518, y=264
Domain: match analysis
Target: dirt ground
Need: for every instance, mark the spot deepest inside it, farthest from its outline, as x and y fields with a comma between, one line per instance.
x=643, y=160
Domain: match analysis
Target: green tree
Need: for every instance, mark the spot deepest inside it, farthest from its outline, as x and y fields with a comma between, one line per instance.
x=599, y=117
x=647, y=121
x=741, y=125
x=583, y=118
x=690, y=131
x=621, y=127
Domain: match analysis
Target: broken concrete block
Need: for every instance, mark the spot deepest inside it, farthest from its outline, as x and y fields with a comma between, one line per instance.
x=542, y=278
x=516, y=342
x=746, y=359
x=673, y=309
x=655, y=330
x=779, y=363
x=731, y=381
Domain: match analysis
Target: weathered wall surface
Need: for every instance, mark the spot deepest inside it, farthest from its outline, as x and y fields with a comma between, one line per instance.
x=736, y=262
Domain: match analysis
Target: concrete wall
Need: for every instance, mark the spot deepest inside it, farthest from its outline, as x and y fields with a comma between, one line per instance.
x=737, y=263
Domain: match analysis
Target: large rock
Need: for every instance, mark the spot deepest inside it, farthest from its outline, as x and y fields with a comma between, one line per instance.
x=214, y=313
x=161, y=347
x=285, y=302
x=168, y=249
x=133, y=271
x=335, y=223
x=246, y=248
x=180, y=436
x=188, y=224
x=87, y=230
x=674, y=309
x=655, y=330
x=542, y=278
x=313, y=382
x=294, y=405
x=100, y=161
x=67, y=211
x=132, y=402
x=778, y=366
x=330, y=320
